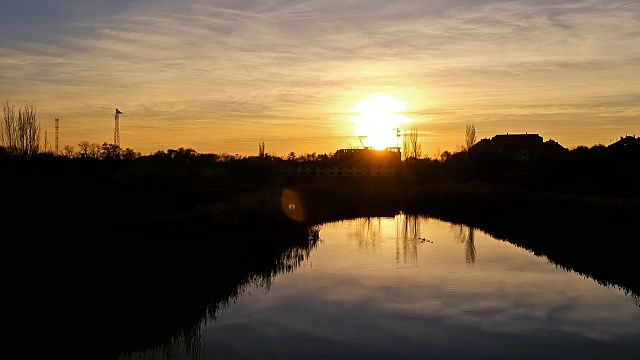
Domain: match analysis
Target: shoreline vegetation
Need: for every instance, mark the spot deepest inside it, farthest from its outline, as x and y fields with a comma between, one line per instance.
x=130, y=254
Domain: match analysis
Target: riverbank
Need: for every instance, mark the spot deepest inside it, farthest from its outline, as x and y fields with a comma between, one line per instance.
x=594, y=236
x=147, y=257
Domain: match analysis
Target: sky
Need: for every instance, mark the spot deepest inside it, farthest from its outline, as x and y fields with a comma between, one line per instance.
x=222, y=76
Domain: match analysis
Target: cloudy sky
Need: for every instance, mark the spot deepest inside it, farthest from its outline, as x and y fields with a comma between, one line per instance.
x=225, y=75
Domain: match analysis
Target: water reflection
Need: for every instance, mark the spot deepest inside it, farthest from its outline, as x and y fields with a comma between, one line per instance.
x=257, y=269
x=408, y=236
x=360, y=300
x=465, y=235
x=367, y=232
x=377, y=290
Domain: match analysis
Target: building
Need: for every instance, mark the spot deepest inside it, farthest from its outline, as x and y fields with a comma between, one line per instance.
x=365, y=162
x=625, y=143
x=368, y=156
x=524, y=148
x=521, y=146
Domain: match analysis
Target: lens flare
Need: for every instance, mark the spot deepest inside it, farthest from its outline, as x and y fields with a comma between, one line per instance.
x=292, y=205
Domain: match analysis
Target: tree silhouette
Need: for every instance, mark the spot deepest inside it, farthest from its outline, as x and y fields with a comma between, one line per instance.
x=20, y=134
x=94, y=150
x=469, y=137
x=129, y=154
x=68, y=151
x=84, y=148
x=410, y=145
x=110, y=152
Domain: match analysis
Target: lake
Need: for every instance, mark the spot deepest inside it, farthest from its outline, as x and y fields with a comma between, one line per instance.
x=413, y=287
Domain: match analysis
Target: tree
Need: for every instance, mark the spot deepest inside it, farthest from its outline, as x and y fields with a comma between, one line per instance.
x=110, y=152
x=261, y=152
x=406, y=146
x=129, y=154
x=291, y=156
x=410, y=145
x=182, y=154
x=94, y=150
x=469, y=137
x=20, y=135
x=308, y=157
x=85, y=147
x=8, y=134
x=28, y=130
x=68, y=151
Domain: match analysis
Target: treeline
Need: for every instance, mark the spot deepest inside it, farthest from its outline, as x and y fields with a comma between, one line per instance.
x=597, y=170
x=546, y=167
x=87, y=150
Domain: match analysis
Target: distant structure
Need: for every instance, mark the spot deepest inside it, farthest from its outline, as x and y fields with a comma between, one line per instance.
x=626, y=142
x=57, y=133
x=369, y=155
x=522, y=147
x=386, y=157
x=362, y=138
x=116, y=131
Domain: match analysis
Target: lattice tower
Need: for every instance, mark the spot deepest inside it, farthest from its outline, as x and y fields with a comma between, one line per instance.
x=57, y=133
x=116, y=131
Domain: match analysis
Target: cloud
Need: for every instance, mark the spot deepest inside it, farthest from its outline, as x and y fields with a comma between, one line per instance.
x=261, y=62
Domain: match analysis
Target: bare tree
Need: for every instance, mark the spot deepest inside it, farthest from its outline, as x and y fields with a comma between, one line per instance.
x=406, y=146
x=85, y=147
x=8, y=134
x=416, y=148
x=94, y=150
x=20, y=134
x=469, y=137
x=410, y=145
x=68, y=151
x=29, y=130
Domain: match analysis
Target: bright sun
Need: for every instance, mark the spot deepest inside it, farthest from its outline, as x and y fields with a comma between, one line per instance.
x=378, y=121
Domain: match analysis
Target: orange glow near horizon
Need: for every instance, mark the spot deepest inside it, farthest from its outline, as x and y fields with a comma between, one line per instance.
x=378, y=120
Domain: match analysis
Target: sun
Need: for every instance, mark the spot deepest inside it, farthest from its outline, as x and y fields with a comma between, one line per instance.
x=379, y=120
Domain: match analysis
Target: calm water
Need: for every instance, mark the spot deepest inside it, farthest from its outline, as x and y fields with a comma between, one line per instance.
x=374, y=289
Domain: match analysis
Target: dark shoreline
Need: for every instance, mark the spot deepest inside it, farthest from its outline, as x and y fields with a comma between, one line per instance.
x=139, y=239
x=593, y=236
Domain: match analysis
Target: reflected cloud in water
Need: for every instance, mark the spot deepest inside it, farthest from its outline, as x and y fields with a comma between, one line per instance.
x=377, y=290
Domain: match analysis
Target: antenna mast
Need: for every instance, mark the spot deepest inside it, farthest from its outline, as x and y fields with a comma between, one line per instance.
x=116, y=131
x=57, y=132
x=362, y=138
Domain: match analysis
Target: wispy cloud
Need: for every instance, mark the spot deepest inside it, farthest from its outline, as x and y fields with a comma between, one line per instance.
x=263, y=65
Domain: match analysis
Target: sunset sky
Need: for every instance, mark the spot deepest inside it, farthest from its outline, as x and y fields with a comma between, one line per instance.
x=225, y=75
